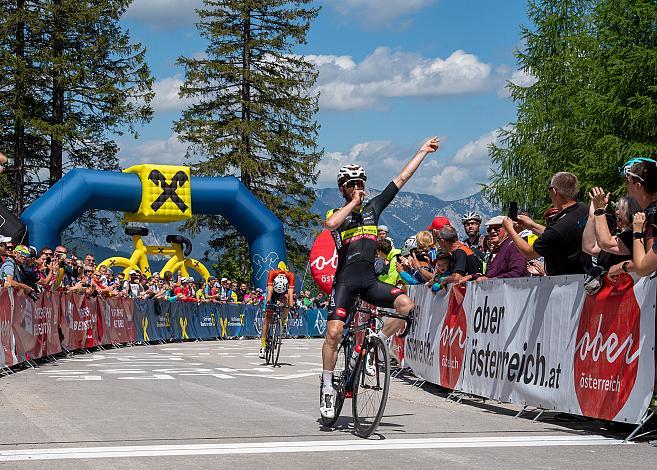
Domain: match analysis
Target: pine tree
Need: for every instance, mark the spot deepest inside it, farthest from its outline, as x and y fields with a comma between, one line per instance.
x=253, y=111
x=73, y=80
x=548, y=135
x=21, y=108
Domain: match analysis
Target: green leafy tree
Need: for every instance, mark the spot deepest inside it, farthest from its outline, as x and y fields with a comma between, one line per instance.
x=593, y=106
x=621, y=103
x=547, y=136
x=253, y=112
x=72, y=80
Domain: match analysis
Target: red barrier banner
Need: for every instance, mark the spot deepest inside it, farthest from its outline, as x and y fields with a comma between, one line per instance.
x=8, y=357
x=75, y=321
x=118, y=320
x=95, y=328
x=35, y=325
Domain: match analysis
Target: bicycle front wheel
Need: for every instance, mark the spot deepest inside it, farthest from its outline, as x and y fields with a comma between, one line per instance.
x=371, y=385
x=277, y=340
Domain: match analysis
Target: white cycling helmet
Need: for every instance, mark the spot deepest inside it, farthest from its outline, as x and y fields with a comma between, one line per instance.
x=410, y=243
x=280, y=284
x=471, y=215
x=351, y=172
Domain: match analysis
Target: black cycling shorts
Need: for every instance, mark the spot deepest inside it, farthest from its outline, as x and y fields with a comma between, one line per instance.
x=366, y=285
x=279, y=297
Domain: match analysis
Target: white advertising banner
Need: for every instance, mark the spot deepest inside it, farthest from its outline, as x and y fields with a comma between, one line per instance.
x=544, y=342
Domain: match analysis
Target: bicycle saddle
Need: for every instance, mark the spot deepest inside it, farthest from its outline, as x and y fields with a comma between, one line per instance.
x=141, y=231
x=180, y=240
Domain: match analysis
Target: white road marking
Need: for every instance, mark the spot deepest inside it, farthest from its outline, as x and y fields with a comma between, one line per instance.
x=219, y=376
x=151, y=377
x=76, y=377
x=301, y=446
x=68, y=372
x=122, y=371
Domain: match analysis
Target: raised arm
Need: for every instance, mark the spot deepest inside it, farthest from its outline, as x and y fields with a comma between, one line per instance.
x=589, y=244
x=525, y=248
x=429, y=146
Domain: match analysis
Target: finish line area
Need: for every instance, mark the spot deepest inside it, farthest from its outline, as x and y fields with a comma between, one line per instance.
x=214, y=403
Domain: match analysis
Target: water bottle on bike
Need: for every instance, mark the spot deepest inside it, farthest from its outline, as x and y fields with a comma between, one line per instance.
x=354, y=356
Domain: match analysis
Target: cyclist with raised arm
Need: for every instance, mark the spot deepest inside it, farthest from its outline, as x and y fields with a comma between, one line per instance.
x=354, y=230
x=280, y=289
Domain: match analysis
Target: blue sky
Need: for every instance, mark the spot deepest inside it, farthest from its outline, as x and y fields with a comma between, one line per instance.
x=391, y=74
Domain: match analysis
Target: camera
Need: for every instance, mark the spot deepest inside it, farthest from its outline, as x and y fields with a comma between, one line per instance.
x=48, y=261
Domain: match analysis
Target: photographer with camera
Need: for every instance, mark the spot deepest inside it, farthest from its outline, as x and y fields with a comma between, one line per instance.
x=12, y=272
x=46, y=267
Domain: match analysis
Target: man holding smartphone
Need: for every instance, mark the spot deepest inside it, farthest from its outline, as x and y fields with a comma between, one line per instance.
x=561, y=242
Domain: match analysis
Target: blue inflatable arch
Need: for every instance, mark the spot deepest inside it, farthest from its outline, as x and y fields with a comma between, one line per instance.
x=82, y=189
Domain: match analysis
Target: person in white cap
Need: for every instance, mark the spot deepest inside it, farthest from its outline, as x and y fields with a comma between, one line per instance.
x=505, y=260
x=382, y=231
x=134, y=288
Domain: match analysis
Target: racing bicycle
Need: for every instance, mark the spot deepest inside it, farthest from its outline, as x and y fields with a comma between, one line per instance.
x=274, y=336
x=362, y=371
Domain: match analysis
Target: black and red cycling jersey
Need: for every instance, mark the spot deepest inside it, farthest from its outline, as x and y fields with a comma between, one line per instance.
x=355, y=241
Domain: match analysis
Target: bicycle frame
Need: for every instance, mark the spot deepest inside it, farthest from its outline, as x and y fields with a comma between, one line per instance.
x=350, y=333
x=176, y=262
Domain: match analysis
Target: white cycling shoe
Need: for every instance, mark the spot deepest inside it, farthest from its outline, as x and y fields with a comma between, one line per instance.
x=327, y=404
x=261, y=355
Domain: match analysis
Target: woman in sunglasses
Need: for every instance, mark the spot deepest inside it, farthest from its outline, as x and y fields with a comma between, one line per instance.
x=641, y=179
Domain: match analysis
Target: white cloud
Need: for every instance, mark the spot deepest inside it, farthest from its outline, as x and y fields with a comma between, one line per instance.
x=448, y=177
x=374, y=14
x=345, y=84
x=166, y=95
x=164, y=14
x=519, y=78
x=168, y=151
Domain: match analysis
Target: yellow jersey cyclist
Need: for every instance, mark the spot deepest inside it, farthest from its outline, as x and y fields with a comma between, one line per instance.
x=280, y=290
x=354, y=230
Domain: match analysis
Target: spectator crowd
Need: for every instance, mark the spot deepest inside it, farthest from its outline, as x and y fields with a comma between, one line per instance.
x=603, y=238
x=24, y=268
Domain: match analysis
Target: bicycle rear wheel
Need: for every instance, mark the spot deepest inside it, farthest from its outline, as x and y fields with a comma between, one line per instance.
x=371, y=385
x=340, y=373
x=277, y=340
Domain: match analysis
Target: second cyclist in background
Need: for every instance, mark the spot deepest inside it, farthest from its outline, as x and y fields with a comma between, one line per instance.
x=280, y=289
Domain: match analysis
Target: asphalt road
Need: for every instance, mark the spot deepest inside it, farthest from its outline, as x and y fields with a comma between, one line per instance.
x=215, y=404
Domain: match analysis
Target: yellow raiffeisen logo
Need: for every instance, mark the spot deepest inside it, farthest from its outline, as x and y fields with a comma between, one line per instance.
x=166, y=193
x=358, y=232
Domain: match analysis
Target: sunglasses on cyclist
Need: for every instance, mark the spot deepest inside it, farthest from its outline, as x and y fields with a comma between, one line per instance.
x=354, y=183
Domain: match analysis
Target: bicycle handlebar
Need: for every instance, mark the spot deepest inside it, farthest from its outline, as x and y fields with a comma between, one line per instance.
x=180, y=240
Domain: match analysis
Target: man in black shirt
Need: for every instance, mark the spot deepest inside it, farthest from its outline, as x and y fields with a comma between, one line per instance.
x=561, y=242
